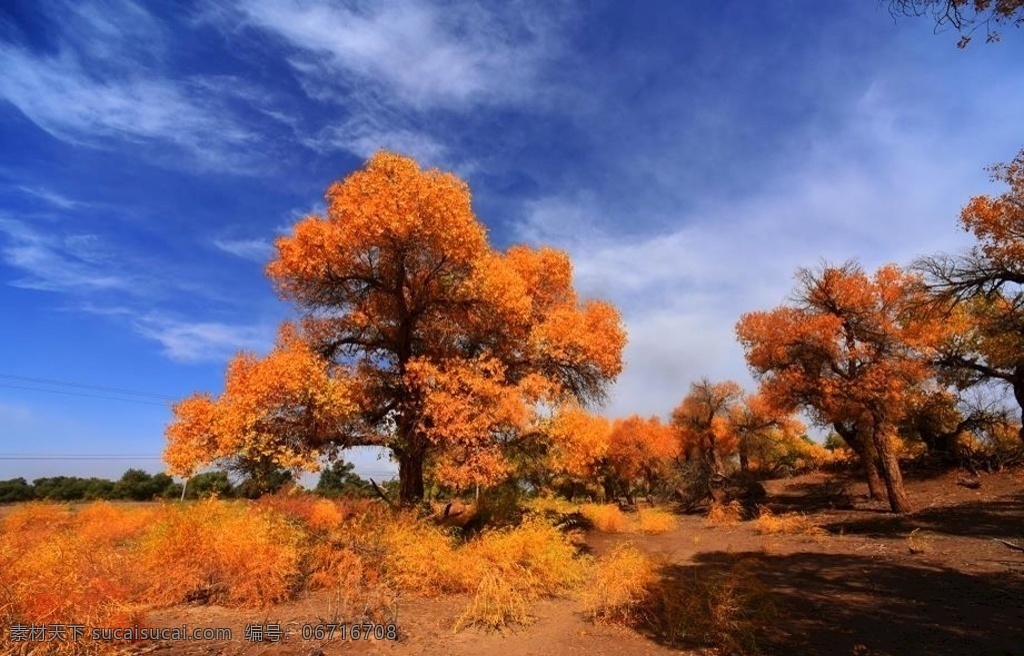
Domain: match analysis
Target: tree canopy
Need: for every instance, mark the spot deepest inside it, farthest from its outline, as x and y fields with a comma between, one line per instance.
x=415, y=335
x=980, y=292
x=849, y=352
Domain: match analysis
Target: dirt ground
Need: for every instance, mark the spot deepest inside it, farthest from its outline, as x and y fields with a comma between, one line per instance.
x=935, y=582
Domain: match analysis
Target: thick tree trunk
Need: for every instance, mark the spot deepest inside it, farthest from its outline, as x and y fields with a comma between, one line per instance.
x=876, y=488
x=1018, y=393
x=898, y=500
x=714, y=458
x=865, y=450
x=410, y=478
x=744, y=455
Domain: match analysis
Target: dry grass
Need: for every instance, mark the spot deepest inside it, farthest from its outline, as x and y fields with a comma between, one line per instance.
x=653, y=520
x=728, y=514
x=619, y=585
x=919, y=543
x=606, y=517
x=106, y=565
x=551, y=505
x=226, y=552
x=497, y=603
x=769, y=523
x=729, y=609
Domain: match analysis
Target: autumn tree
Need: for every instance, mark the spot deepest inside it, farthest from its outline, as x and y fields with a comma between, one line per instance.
x=981, y=291
x=765, y=434
x=418, y=336
x=965, y=16
x=577, y=442
x=849, y=352
x=702, y=420
x=284, y=409
x=641, y=450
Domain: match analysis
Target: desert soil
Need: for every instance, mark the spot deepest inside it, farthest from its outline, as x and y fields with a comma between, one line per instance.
x=935, y=582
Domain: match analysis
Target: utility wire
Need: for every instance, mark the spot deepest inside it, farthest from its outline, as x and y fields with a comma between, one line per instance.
x=90, y=396
x=67, y=383
x=82, y=456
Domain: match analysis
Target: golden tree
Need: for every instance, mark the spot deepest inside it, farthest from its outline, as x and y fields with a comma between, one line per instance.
x=851, y=352
x=703, y=422
x=764, y=433
x=445, y=348
x=640, y=449
x=981, y=291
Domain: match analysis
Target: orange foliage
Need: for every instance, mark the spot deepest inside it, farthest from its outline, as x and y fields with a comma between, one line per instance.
x=703, y=421
x=768, y=436
x=580, y=441
x=641, y=449
x=426, y=340
x=998, y=223
x=853, y=351
x=283, y=408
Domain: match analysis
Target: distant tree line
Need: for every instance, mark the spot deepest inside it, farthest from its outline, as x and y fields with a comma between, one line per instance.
x=337, y=480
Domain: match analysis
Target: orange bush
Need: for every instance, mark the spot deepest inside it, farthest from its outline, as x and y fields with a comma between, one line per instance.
x=606, y=517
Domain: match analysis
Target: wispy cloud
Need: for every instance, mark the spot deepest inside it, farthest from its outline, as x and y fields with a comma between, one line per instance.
x=363, y=136
x=258, y=250
x=395, y=70
x=53, y=198
x=190, y=341
x=421, y=54
x=78, y=263
x=103, y=86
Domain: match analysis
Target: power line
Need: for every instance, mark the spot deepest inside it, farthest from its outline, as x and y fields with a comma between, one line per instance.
x=90, y=396
x=81, y=456
x=67, y=383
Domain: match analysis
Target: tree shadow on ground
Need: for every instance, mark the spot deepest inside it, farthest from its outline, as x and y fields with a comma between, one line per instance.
x=996, y=518
x=847, y=605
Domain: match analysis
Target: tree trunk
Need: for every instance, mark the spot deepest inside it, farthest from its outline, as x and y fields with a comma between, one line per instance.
x=875, y=486
x=898, y=500
x=1018, y=393
x=410, y=478
x=744, y=455
x=865, y=450
x=714, y=458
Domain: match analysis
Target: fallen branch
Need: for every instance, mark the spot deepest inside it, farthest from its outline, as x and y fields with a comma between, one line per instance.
x=380, y=493
x=1010, y=544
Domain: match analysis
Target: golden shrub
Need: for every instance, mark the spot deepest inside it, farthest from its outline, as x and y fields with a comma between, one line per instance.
x=605, y=517
x=619, y=585
x=653, y=520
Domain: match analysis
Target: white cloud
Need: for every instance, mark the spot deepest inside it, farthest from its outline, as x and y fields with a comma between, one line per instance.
x=53, y=198
x=876, y=190
x=73, y=263
x=189, y=341
x=258, y=250
x=422, y=54
x=394, y=71
x=104, y=84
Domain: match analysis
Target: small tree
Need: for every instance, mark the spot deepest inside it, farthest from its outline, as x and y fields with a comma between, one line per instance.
x=703, y=421
x=341, y=479
x=16, y=489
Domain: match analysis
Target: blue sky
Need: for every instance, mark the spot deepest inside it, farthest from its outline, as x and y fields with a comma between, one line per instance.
x=690, y=156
